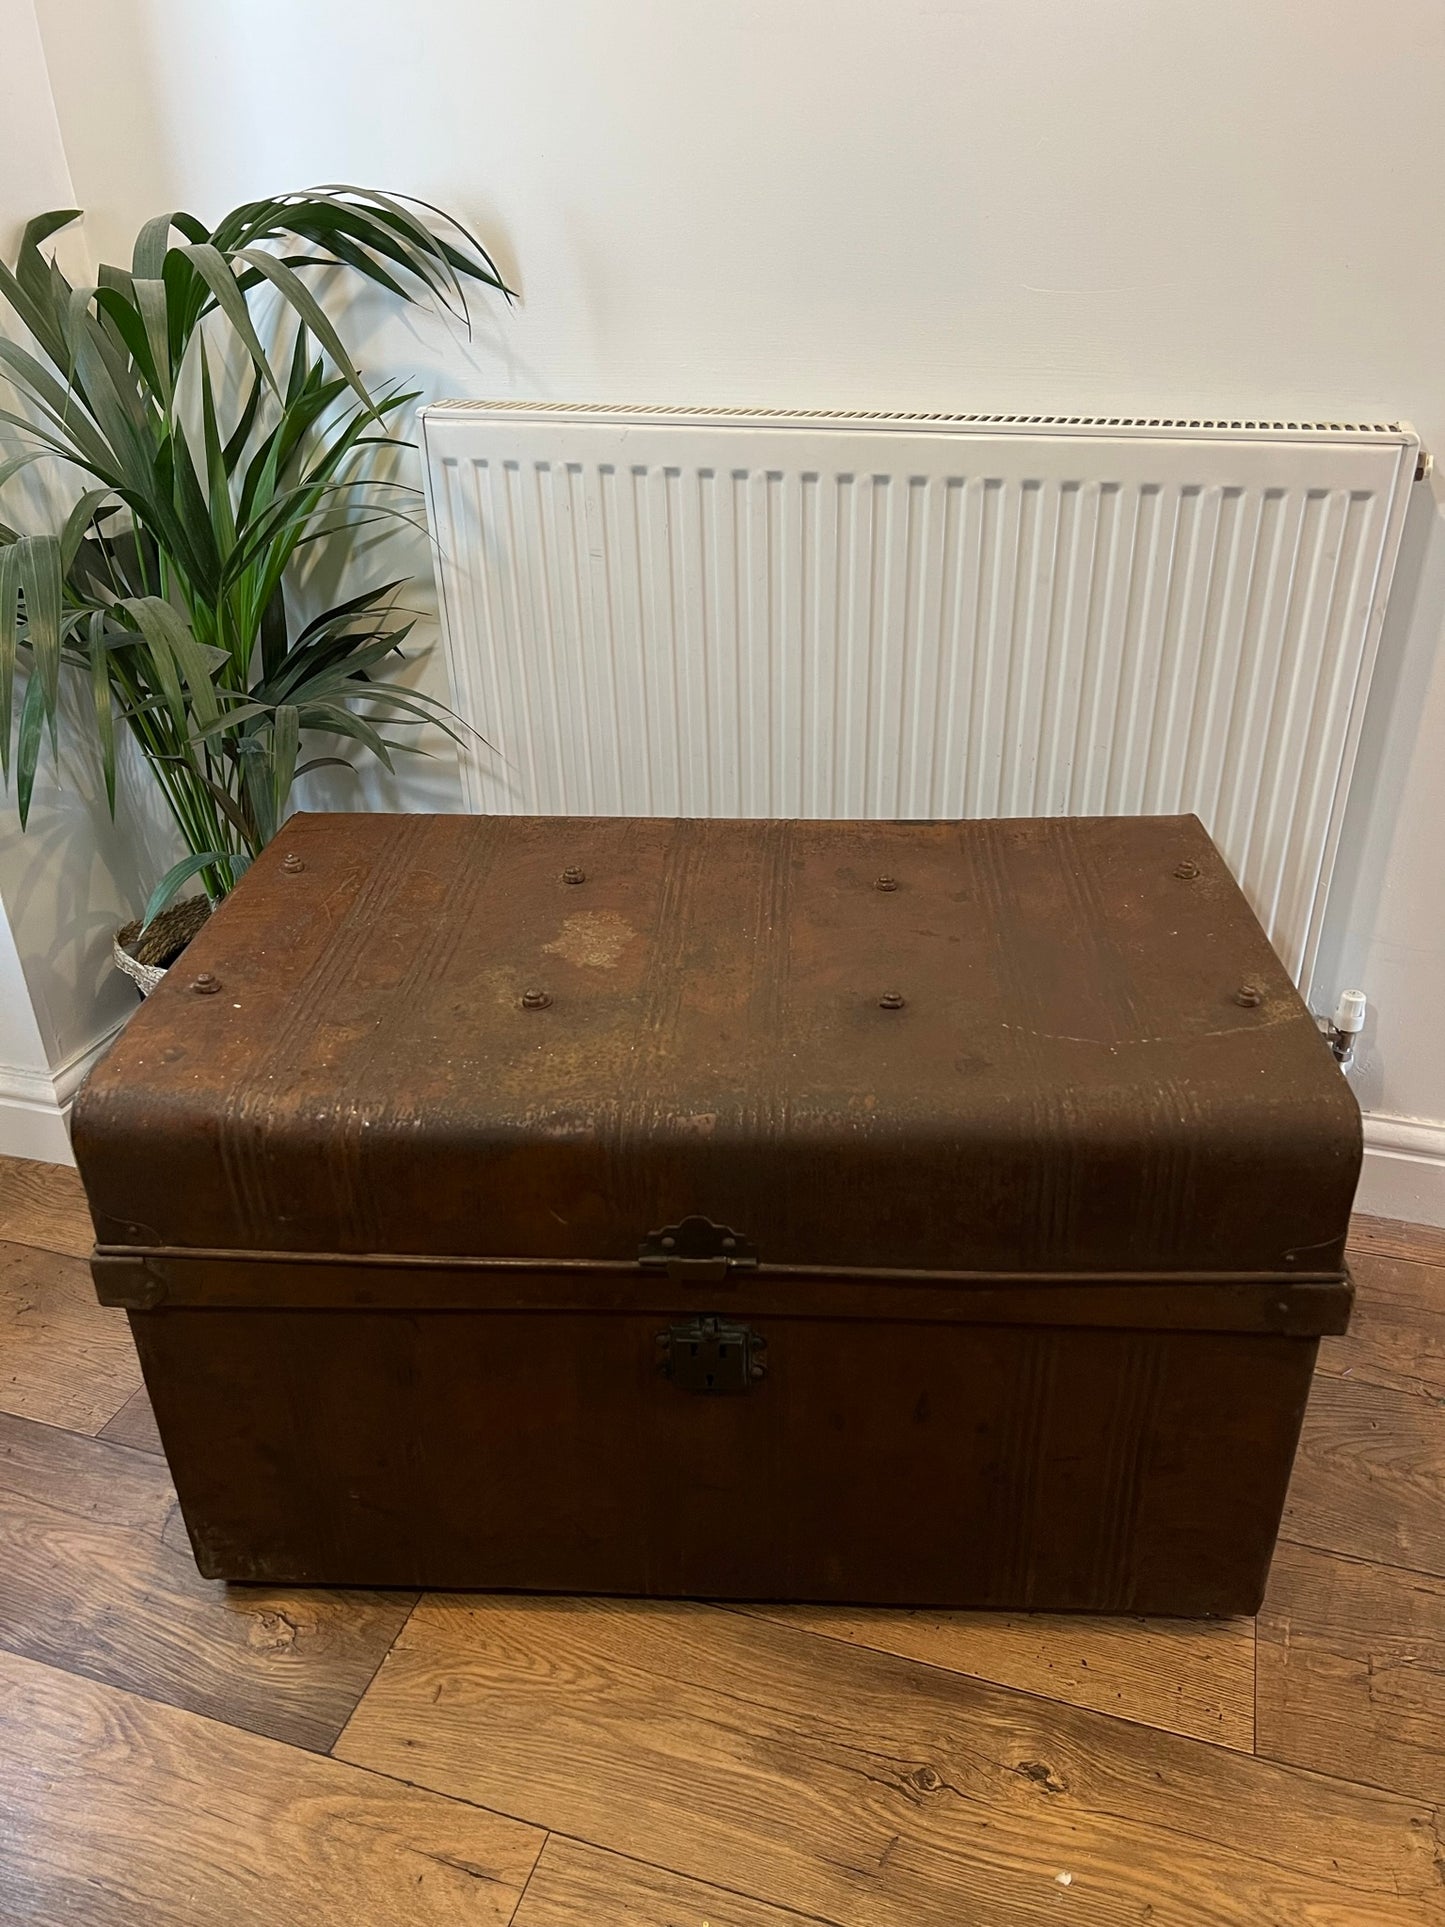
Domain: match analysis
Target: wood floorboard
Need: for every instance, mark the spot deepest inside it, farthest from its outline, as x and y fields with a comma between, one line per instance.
x=44, y=1205
x=866, y=1789
x=1397, y=1330
x=116, y=1812
x=64, y=1359
x=1193, y=1677
x=95, y=1577
x=1394, y=1238
x=135, y=1424
x=1352, y=1671
x=575, y=1885
x=1369, y=1479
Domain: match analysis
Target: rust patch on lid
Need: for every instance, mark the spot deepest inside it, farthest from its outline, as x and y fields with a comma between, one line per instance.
x=594, y=938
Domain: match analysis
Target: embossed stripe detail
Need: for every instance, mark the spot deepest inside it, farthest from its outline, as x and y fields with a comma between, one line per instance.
x=1132, y=1424
x=243, y=1126
x=361, y=1101
x=1024, y=1450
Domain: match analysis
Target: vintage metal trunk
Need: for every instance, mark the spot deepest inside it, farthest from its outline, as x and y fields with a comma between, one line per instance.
x=932, y=1213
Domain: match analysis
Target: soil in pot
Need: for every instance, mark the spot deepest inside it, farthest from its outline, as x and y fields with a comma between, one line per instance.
x=146, y=956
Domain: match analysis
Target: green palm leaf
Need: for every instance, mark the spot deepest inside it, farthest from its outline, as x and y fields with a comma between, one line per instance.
x=164, y=583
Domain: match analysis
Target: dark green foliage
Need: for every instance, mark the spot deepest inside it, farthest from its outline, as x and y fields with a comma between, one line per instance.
x=164, y=587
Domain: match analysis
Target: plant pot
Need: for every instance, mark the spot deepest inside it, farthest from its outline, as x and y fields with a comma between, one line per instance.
x=146, y=958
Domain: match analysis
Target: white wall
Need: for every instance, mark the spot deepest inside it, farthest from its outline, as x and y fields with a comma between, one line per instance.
x=35, y=175
x=30, y=176
x=29, y=1125
x=1013, y=205
x=66, y=884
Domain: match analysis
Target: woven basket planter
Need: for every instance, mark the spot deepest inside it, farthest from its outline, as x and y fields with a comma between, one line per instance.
x=145, y=959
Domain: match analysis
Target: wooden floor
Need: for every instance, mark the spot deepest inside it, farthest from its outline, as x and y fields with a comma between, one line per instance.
x=171, y=1751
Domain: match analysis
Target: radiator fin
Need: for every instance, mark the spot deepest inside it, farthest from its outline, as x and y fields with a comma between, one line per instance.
x=746, y=613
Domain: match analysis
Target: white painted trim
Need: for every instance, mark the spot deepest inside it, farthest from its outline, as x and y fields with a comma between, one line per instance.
x=1421, y=1137
x=1404, y=1174
x=35, y=1105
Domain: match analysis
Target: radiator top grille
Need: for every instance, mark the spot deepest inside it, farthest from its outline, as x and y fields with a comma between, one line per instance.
x=682, y=411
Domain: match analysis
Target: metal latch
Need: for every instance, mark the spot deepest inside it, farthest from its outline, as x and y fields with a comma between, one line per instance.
x=697, y=1252
x=711, y=1356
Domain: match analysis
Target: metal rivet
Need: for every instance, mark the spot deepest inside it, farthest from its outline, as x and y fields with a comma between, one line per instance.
x=891, y=1000
x=1248, y=997
x=292, y=864
x=535, y=1000
x=1186, y=872
x=885, y=883
x=206, y=985
x=574, y=875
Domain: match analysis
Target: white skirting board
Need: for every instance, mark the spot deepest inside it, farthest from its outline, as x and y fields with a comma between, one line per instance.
x=1404, y=1174
x=35, y=1106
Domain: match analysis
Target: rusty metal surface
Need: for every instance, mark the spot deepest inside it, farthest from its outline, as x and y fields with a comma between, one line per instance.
x=1023, y=1046
x=1175, y=1301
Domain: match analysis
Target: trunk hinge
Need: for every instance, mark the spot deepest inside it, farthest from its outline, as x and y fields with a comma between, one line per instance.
x=696, y=1252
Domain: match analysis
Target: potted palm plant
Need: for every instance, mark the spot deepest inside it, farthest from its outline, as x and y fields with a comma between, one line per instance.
x=219, y=431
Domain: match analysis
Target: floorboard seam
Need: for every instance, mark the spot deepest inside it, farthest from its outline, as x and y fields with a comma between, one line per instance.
x=51, y=1251
x=741, y=1611
x=1398, y=1249
x=90, y=1438
x=1357, y=1559
x=696, y=1880
x=1360, y=1375
x=532, y=1875
x=317, y=1752
x=291, y=1746
x=440, y=1793
x=125, y=1445
x=336, y=1738
x=1426, y=1800
x=1254, y=1709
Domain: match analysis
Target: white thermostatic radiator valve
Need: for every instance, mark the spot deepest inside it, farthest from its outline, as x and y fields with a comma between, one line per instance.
x=1344, y=1027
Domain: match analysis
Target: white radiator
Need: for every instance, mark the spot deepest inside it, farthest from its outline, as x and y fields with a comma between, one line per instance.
x=728, y=613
